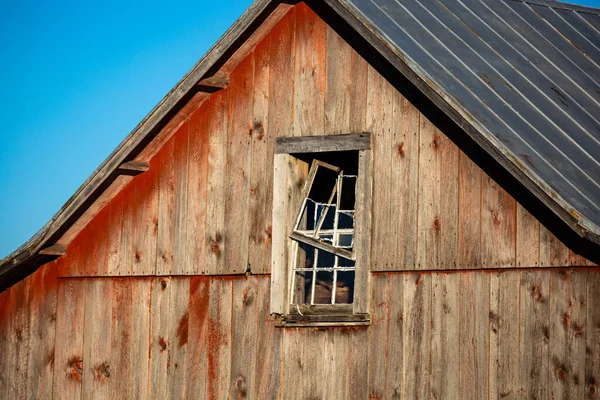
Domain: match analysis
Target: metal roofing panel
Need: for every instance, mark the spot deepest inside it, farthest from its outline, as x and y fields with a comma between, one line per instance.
x=523, y=73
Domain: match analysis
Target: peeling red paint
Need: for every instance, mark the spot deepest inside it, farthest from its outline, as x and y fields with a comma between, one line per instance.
x=400, y=150
x=163, y=344
x=182, y=329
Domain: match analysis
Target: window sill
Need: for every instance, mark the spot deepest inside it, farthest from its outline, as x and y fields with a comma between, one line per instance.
x=323, y=316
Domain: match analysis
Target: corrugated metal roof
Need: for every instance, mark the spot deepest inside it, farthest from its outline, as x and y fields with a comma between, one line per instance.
x=526, y=74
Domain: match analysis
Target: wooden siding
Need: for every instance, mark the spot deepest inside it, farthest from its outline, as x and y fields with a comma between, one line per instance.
x=503, y=334
x=205, y=205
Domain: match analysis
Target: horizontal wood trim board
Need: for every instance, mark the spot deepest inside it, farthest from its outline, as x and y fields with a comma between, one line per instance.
x=321, y=144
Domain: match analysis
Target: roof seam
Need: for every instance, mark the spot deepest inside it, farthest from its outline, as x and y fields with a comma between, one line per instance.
x=561, y=6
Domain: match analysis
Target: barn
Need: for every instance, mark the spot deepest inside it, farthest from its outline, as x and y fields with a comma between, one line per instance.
x=362, y=199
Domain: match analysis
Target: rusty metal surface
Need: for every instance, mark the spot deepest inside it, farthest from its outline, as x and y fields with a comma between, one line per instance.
x=526, y=74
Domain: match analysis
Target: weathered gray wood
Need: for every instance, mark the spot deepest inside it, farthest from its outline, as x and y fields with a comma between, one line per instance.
x=498, y=226
x=404, y=188
x=97, y=355
x=244, y=332
x=474, y=304
x=267, y=383
x=199, y=148
x=198, y=336
x=386, y=339
x=592, y=335
x=279, y=257
x=416, y=331
x=68, y=354
x=219, y=339
x=528, y=239
x=134, y=167
x=553, y=253
x=469, y=213
x=177, y=336
x=504, y=335
x=335, y=354
x=534, y=333
x=144, y=225
x=322, y=245
x=315, y=144
x=237, y=184
x=429, y=224
x=380, y=123
x=139, y=354
x=310, y=73
x=56, y=250
x=215, y=192
x=42, y=325
x=261, y=161
x=362, y=238
x=445, y=338
x=358, y=364
x=122, y=335
x=568, y=301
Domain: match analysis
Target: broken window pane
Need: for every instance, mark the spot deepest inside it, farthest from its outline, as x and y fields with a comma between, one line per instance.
x=323, y=237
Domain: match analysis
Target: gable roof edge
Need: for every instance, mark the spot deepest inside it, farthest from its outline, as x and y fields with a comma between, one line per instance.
x=26, y=259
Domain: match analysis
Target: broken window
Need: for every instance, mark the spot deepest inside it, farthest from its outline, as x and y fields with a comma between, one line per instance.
x=321, y=230
x=323, y=238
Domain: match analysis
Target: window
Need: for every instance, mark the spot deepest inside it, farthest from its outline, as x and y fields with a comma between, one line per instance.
x=321, y=221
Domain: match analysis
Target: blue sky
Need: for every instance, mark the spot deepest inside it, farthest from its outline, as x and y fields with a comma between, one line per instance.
x=76, y=78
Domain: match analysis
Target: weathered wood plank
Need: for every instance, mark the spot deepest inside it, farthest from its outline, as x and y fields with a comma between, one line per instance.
x=474, y=304
x=498, y=226
x=281, y=77
x=244, y=331
x=504, y=335
x=568, y=302
x=172, y=200
x=592, y=335
x=144, y=223
x=126, y=250
x=267, y=383
x=139, y=353
x=448, y=192
x=429, y=223
x=314, y=360
x=310, y=77
x=197, y=191
x=416, y=331
x=445, y=339
x=68, y=354
x=379, y=342
x=159, y=337
x=179, y=294
x=19, y=335
x=339, y=84
x=217, y=107
x=42, y=325
x=219, y=339
x=553, y=253
x=97, y=355
x=364, y=195
x=380, y=123
x=576, y=260
x=261, y=178
x=469, y=213
x=196, y=364
x=317, y=144
x=293, y=363
x=95, y=247
x=238, y=165
x=358, y=364
x=528, y=239
x=115, y=231
x=534, y=333
x=117, y=369
x=335, y=356
x=5, y=372
x=404, y=188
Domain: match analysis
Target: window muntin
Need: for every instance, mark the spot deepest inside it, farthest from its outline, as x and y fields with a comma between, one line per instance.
x=323, y=237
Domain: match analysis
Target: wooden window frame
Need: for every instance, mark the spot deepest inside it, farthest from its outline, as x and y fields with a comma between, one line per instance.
x=289, y=177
